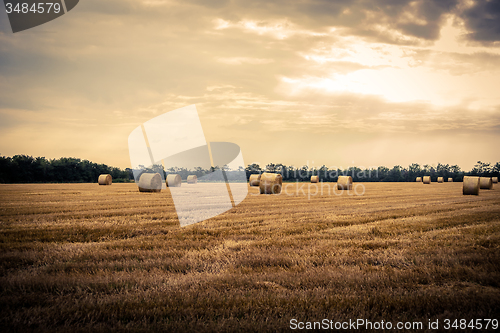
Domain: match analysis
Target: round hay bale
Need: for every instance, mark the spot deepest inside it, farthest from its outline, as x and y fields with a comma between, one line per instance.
x=150, y=182
x=270, y=183
x=450, y=180
x=254, y=180
x=314, y=179
x=440, y=180
x=494, y=180
x=174, y=180
x=344, y=183
x=105, y=179
x=427, y=179
x=471, y=185
x=192, y=179
x=418, y=180
x=485, y=183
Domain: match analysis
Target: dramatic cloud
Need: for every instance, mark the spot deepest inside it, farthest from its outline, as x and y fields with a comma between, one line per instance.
x=325, y=81
x=482, y=19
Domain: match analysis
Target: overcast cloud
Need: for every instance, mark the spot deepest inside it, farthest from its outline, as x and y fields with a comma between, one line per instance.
x=380, y=82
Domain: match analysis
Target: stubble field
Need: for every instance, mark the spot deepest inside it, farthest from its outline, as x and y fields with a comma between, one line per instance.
x=84, y=257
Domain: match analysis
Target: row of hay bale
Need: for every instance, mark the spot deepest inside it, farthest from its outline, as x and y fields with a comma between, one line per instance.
x=427, y=180
x=343, y=182
x=151, y=182
x=472, y=184
x=271, y=183
x=441, y=180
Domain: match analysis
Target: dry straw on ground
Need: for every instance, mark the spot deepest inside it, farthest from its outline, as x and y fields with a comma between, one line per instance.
x=440, y=180
x=150, y=182
x=344, y=183
x=270, y=183
x=192, y=179
x=485, y=183
x=450, y=180
x=174, y=180
x=418, y=180
x=86, y=258
x=471, y=185
x=105, y=179
x=427, y=179
x=314, y=179
x=254, y=180
x=494, y=180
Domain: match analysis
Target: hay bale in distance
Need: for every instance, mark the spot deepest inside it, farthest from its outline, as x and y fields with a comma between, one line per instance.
x=418, y=180
x=105, y=179
x=314, y=179
x=494, y=180
x=450, y=180
x=174, y=180
x=254, y=180
x=440, y=180
x=344, y=183
x=485, y=183
x=427, y=179
x=471, y=185
x=192, y=179
x=270, y=183
x=150, y=182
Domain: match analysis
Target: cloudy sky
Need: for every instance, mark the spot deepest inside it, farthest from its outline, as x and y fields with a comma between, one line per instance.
x=340, y=83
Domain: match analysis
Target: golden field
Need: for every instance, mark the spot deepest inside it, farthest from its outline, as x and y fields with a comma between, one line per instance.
x=84, y=257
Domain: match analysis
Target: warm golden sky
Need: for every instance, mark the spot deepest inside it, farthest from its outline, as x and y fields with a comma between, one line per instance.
x=363, y=82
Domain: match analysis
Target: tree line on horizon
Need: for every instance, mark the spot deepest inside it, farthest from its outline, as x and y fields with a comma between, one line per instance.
x=398, y=173
x=28, y=169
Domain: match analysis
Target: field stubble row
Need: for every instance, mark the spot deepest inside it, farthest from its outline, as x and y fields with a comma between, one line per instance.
x=90, y=257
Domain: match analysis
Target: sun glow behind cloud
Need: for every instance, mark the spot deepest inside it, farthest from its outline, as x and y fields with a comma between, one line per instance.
x=400, y=73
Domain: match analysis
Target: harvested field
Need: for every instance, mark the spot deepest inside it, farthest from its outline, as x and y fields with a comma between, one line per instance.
x=83, y=257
